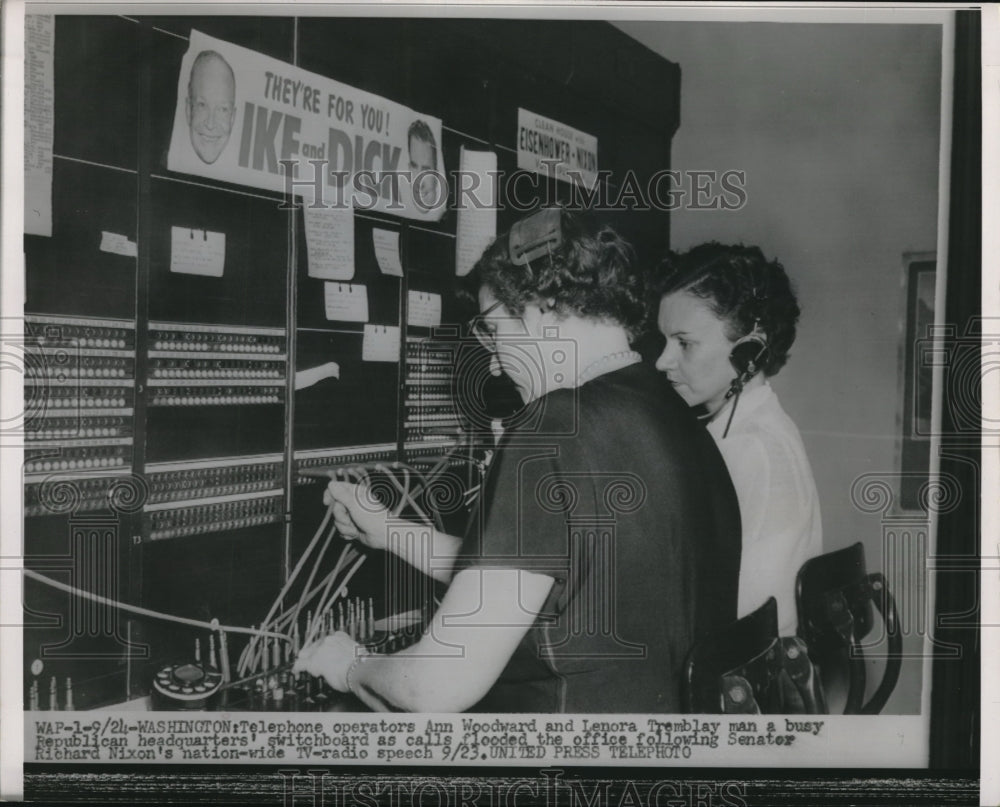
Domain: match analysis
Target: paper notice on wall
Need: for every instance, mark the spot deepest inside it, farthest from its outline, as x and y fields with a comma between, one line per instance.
x=330, y=242
x=386, y=244
x=39, y=101
x=197, y=252
x=423, y=309
x=477, y=211
x=346, y=302
x=553, y=149
x=118, y=244
x=381, y=343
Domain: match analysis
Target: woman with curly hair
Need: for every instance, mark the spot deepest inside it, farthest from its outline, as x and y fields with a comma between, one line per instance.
x=729, y=318
x=607, y=538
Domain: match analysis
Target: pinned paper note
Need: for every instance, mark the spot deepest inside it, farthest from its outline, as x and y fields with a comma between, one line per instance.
x=381, y=343
x=330, y=242
x=39, y=117
x=197, y=252
x=118, y=244
x=346, y=302
x=477, y=217
x=386, y=244
x=423, y=309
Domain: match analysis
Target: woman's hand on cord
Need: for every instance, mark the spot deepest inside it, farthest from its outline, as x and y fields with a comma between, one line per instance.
x=330, y=658
x=358, y=514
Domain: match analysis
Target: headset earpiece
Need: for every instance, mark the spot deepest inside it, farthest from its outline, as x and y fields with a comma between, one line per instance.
x=748, y=354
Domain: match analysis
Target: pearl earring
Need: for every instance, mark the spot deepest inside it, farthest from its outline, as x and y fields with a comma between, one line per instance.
x=495, y=369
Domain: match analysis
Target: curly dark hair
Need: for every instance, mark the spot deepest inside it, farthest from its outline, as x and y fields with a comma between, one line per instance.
x=592, y=273
x=741, y=287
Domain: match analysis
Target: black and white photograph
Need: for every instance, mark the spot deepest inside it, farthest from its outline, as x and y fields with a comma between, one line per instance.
x=497, y=404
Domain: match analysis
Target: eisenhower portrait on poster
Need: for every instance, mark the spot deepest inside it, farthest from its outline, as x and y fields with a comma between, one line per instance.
x=211, y=105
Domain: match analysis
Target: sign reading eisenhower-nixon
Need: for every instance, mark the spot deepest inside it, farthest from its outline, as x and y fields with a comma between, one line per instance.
x=240, y=114
x=551, y=148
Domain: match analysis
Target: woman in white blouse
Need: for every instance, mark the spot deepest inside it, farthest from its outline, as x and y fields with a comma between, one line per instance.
x=729, y=317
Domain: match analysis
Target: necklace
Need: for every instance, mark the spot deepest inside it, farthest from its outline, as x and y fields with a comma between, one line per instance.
x=605, y=364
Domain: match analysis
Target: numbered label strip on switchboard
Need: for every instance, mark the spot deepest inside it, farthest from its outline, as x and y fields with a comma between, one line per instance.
x=60, y=426
x=56, y=493
x=430, y=411
x=212, y=365
x=218, y=514
x=354, y=455
x=79, y=389
x=203, y=496
x=180, y=482
x=84, y=333
x=167, y=338
x=196, y=395
x=107, y=454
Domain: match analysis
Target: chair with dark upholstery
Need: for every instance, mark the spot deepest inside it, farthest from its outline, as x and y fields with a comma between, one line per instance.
x=735, y=670
x=834, y=597
x=746, y=668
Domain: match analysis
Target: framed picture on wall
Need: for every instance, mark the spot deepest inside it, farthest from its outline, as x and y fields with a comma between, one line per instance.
x=916, y=373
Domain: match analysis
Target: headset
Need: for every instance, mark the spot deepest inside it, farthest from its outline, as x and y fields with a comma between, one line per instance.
x=747, y=355
x=534, y=236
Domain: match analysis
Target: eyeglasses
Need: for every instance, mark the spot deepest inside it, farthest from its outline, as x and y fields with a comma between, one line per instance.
x=484, y=331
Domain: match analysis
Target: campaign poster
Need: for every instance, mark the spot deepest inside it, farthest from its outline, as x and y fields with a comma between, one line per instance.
x=252, y=120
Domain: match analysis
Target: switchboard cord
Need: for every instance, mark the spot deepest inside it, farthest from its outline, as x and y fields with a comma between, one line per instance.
x=139, y=610
x=286, y=624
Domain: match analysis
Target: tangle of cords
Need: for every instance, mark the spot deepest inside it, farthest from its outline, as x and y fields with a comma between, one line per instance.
x=284, y=627
x=357, y=621
x=329, y=589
